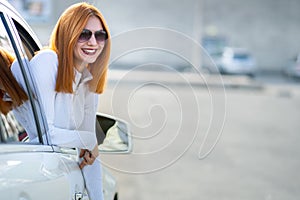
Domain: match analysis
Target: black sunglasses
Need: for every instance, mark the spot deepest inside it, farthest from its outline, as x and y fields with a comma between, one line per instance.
x=86, y=35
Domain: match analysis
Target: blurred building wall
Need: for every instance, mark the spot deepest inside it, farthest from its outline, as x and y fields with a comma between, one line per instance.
x=43, y=29
x=268, y=28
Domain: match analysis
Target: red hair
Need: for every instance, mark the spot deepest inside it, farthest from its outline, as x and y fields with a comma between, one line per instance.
x=63, y=40
x=9, y=84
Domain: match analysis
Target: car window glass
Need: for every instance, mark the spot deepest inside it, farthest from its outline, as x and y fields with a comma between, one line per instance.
x=241, y=56
x=18, y=124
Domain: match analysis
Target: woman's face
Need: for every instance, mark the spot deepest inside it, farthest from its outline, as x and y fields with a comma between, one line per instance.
x=87, y=51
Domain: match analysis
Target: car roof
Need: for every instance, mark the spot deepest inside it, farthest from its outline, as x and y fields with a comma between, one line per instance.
x=236, y=50
x=6, y=7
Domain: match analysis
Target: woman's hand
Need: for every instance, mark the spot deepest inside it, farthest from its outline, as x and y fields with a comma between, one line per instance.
x=88, y=156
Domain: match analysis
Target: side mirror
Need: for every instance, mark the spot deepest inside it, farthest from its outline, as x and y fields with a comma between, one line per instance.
x=112, y=134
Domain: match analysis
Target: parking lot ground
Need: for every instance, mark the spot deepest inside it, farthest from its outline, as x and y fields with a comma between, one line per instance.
x=256, y=156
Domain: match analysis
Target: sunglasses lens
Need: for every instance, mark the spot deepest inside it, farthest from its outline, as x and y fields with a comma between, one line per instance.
x=85, y=35
x=100, y=36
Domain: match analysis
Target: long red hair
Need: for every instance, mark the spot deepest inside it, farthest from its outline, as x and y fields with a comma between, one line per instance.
x=63, y=40
x=9, y=84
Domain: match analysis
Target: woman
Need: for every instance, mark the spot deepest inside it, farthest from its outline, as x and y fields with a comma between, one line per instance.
x=69, y=76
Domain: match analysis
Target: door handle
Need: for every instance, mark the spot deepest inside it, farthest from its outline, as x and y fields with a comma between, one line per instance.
x=78, y=196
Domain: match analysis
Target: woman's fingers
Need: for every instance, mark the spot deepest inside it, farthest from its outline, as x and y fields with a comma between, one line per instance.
x=82, y=164
x=82, y=152
x=88, y=158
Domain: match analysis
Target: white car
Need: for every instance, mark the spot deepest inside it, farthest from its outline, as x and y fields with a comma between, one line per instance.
x=293, y=70
x=237, y=61
x=37, y=170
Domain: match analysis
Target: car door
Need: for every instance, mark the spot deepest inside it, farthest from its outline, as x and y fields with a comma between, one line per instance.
x=31, y=169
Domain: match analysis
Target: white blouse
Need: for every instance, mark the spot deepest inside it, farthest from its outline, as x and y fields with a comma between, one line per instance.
x=70, y=117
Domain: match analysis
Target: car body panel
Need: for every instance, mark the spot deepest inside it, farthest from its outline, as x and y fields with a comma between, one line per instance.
x=29, y=171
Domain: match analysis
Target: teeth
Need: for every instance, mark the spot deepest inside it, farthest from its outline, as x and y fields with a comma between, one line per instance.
x=89, y=50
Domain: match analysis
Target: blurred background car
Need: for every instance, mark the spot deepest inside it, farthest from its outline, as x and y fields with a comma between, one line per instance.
x=293, y=69
x=213, y=49
x=237, y=61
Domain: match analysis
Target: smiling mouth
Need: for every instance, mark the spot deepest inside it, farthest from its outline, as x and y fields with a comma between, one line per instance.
x=89, y=51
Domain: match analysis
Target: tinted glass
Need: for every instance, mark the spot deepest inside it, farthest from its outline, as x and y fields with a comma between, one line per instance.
x=16, y=121
x=241, y=56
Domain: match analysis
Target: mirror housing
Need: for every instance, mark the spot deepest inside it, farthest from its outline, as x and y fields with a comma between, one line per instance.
x=113, y=134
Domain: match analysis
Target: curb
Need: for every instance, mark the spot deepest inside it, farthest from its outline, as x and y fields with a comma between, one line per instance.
x=183, y=79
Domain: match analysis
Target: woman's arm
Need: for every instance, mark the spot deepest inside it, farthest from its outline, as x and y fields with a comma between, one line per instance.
x=44, y=69
x=89, y=121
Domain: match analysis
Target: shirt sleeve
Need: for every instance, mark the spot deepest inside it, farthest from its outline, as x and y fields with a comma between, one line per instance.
x=90, y=109
x=44, y=70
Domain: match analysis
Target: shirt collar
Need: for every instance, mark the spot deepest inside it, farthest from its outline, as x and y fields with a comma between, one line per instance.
x=82, y=77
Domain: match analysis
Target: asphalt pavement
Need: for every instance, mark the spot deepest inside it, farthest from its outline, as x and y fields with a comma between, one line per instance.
x=176, y=118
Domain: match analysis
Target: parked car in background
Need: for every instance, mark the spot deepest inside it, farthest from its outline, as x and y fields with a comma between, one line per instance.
x=212, y=52
x=293, y=69
x=36, y=169
x=236, y=61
